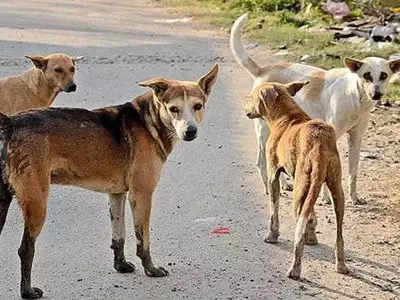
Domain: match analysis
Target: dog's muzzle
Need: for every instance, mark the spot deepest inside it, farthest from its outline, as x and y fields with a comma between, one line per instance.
x=190, y=133
x=71, y=87
x=250, y=115
x=377, y=96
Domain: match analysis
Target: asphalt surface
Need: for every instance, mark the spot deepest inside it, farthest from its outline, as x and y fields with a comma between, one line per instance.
x=208, y=183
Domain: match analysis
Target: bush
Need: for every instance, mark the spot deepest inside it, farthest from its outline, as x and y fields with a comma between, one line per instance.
x=266, y=5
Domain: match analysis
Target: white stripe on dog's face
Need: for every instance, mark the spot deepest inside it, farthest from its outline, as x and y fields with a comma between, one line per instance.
x=186, y=113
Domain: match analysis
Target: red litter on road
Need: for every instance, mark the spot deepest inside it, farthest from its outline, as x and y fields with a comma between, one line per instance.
x=221, y=230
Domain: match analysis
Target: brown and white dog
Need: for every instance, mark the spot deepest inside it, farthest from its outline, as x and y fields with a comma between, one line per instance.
x=114, y=150
x=306, y=150
x=38, y=86
x=342, y=97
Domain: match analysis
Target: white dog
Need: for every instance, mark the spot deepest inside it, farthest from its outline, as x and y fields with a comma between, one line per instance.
x=342, y=97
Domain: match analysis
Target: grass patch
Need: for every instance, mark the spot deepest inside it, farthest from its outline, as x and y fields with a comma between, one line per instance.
x=277, y=28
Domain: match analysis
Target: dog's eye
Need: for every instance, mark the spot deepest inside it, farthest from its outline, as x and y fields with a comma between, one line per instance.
x=58, y=70
x=198, y=106
x=368, y=77
x=174, y=109
x=383, y=76
x=72, y=70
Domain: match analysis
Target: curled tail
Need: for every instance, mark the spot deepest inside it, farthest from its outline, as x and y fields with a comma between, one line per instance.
x=238, y=50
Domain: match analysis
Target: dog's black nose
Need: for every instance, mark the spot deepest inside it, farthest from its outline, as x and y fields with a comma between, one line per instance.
x=71, y=88
x=377, y=96
x=248, y=115
x=190, y=133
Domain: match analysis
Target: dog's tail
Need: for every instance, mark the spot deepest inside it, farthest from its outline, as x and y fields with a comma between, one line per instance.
x=238, y=50
x=310, y=184
x=5, y=192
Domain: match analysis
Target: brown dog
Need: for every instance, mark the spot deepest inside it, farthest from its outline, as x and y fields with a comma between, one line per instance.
x=39, y=86
x=306, y=150
x=113, y=150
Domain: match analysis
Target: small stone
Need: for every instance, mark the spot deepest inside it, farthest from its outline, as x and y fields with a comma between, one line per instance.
x=305, y=57
x=302, y=287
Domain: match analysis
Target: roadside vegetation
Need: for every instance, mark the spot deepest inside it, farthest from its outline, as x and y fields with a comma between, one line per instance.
x=294, y=26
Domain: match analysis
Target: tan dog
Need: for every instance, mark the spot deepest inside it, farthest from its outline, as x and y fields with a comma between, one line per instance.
x=39, y=86
x=306, y=150
x=114, y=150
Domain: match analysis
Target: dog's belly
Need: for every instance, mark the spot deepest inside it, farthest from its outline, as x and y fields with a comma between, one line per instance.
x=113, y=184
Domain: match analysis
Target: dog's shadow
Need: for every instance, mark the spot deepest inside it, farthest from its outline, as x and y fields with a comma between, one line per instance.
x=326, y=253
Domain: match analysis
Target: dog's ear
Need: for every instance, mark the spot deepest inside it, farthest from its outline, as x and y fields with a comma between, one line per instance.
x=394, y=65
x=39, y=62
x=75, y=59
x=352, y=64
x=268, y=93
x=158, y=85
x=207, y=81
x=296, y=86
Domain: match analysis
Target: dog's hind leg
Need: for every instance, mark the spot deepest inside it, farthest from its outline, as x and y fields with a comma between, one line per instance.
x=5, y=201
x=354, y=141
x=334, y=183
x=32, y=194
x=117, y=214
x=274, y=191
x=305, y=196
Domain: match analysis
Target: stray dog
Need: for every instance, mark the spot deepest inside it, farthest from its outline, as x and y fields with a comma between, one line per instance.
x=341, y=97
x=39, y=86
x=113, y=150
x=306, y=150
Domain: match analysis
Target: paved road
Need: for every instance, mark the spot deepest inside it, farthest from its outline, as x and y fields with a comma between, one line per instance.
x=208, y=183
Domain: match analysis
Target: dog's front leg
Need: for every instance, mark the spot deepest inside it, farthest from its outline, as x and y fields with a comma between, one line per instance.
x=117, y=215
x=274, y=191
x=354, y=141
x=140, y=201
x=262, y=133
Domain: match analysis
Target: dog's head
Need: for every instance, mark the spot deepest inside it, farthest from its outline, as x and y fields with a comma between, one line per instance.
x=268, y=97
x=181, y=103
x=375, y=74
x=58, y=69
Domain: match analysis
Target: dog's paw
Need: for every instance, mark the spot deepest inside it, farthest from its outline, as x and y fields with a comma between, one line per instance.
x=310, y=238
x=342, y=268
x=358, y=201
x=33, y=293
x=156, y=272
x=294, y=273
x=272, y=237
x=124, y=267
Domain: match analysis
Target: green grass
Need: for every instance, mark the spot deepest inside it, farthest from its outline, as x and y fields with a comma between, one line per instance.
x=276, y=28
